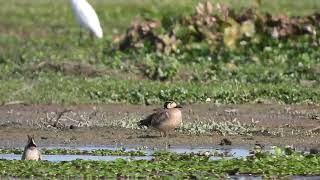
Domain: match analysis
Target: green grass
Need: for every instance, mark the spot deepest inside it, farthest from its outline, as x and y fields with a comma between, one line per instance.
x=59, y=89
x=32, y=32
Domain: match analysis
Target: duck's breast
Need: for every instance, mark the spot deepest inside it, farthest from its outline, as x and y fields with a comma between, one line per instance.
x=174, y=120
x=32, y=154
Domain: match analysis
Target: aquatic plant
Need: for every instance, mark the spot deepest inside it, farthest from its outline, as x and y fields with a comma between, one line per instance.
x=283, y=163
x=95, y=152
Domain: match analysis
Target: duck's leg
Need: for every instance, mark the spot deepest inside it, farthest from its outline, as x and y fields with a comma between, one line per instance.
x=167, y=140
x=165, y=134
x=161, y=135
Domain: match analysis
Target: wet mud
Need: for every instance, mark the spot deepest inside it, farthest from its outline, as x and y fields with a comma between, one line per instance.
x=93, y=125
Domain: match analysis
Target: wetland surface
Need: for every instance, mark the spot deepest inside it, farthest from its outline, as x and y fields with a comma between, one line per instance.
x=203, y=125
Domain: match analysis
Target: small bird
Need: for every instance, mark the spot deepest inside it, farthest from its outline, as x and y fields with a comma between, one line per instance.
x=30, y=150
x=86, y=17
x=165, y=119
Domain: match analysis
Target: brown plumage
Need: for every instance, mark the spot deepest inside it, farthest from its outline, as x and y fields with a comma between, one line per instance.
x=30, y=150
x=165, y=119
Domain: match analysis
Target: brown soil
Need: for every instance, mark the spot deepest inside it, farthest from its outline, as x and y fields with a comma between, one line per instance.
x=84, y=125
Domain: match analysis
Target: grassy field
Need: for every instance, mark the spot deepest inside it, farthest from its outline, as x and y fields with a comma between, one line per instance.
x=44, y=32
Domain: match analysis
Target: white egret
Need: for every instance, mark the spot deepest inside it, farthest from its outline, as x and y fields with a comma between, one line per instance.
x=87, y=17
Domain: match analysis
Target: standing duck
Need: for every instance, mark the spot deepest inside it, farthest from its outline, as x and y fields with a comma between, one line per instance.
x=165, y=119
x=30, y=150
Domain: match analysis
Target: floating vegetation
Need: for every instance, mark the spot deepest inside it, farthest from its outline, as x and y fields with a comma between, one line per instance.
x=95, y=152
x=185, y=156
x=283, y=163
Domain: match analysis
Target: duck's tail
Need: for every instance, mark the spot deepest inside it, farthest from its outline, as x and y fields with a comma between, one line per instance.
x=145, y=122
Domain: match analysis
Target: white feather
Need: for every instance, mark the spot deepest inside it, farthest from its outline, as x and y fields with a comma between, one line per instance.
x=87, y=17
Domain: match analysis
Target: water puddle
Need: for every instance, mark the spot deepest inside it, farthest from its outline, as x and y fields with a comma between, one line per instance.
x=305, y=177
x=238, y=152
x=228, y=152
x=225, y=153
x=245, y=177
x=59, y=158
x=235, y=152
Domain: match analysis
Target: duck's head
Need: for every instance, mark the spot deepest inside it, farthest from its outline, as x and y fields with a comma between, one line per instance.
x=171, y=104
x=31, y=142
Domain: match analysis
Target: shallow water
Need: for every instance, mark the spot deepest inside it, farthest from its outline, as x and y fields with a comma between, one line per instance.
x=59, y=158
x=246, y=177
x=236, y=152
x=233, y=152
x=305, y=177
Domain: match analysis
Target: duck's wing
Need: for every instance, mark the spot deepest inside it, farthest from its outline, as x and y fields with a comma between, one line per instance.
x=146, y=121
x=159, y=117
x=158, y=109
x=155, y=118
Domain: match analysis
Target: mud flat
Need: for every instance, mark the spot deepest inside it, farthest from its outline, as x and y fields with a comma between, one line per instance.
x=204, y=125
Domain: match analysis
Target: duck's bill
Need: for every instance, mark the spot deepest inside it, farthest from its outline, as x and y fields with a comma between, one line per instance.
x=178, y=106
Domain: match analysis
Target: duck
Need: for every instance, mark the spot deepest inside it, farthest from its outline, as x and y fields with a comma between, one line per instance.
x=165, y=119
x=30, y=150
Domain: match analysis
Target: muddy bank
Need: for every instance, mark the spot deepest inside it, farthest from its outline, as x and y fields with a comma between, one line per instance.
x=94, y=125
